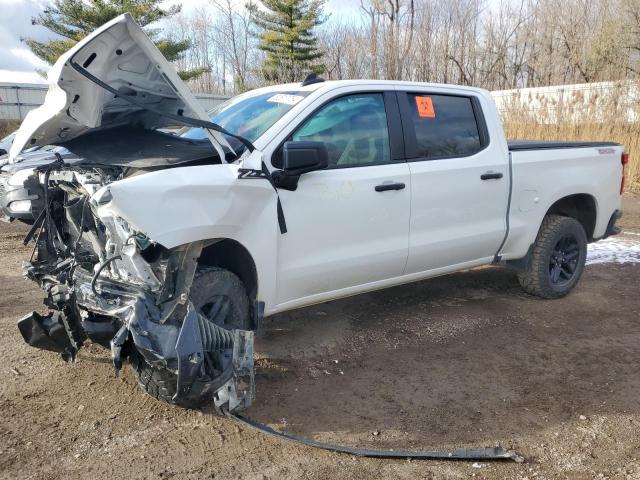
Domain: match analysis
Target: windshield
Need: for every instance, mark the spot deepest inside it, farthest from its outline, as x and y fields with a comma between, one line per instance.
x=250, y=116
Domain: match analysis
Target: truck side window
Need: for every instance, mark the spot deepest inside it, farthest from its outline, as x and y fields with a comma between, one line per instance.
x=353, y=127
x=445, y=125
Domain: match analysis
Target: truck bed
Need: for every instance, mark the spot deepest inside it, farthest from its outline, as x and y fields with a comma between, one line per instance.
x=519, y=145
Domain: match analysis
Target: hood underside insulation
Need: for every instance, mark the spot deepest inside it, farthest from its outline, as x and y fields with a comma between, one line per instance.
x=139, y=148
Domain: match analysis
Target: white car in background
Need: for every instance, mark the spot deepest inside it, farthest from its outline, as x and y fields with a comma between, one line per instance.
x=170, y=250
x=5, y=143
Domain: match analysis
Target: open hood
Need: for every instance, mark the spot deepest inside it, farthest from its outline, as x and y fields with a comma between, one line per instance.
x=120, y=55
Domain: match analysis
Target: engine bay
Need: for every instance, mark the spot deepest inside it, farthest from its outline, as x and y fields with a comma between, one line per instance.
x=109, y=284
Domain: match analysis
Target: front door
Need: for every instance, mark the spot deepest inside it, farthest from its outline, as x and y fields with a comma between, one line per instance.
x=347, y=225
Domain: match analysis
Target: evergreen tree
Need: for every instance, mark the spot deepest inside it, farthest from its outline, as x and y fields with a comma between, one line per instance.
x=286, y=36
x=75, y=19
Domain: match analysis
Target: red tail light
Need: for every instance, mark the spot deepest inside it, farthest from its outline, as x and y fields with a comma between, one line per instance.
x=624, y=159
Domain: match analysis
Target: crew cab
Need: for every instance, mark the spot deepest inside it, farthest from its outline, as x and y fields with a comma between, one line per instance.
x=170, y=249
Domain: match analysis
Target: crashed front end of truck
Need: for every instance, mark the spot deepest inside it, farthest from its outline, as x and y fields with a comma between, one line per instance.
x=105, y=280
x=107, y=283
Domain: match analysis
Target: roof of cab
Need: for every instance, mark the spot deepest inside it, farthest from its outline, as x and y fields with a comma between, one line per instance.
x=333, y=84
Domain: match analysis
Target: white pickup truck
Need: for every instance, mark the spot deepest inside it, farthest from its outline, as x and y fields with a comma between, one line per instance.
x=170, y=248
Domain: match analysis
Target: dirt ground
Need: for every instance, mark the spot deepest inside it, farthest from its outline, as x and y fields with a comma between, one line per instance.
x=463, y=360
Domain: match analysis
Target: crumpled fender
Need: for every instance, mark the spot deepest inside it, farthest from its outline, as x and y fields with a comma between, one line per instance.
x=182, y=205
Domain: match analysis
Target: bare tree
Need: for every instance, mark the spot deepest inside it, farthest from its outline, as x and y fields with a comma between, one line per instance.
x=373, y=11
x=488, y=43
x=234, y=39
x=393, y=21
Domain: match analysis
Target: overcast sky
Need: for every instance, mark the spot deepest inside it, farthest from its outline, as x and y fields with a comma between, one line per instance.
x=18, y=64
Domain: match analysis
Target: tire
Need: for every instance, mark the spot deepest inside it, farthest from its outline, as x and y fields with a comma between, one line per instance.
x=558, y=258
x=221, y=297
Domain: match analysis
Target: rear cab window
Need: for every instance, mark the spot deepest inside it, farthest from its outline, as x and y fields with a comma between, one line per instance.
x=442, y=126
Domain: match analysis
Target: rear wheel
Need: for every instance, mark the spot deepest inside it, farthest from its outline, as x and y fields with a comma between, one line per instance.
x=558, y=258
x=221, y=298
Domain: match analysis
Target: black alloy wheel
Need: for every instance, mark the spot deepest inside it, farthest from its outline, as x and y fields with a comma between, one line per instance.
x=564, y=260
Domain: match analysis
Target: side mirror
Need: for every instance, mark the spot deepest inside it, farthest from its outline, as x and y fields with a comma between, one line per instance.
x=303, y=157
x=299, y=158
x=3, y=152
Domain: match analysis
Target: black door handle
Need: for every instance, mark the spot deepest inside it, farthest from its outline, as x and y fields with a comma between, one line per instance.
x=491, y=176
x=389, y=186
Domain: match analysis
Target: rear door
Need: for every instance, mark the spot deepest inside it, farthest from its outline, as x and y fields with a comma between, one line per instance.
x=459, y=181
x=348, y=225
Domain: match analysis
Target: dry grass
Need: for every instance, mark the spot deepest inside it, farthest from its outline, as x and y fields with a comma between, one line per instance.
x=611, y=115
x=626, y=134
x=7, y=126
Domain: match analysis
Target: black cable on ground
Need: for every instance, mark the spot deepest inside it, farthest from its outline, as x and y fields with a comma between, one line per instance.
x=487, y=453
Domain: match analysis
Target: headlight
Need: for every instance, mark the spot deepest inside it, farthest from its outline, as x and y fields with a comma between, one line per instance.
x=102, y=196
x=20, y=206
x=18, y=178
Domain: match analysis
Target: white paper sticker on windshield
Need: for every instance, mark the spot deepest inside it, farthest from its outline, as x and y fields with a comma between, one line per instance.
x=285, y=98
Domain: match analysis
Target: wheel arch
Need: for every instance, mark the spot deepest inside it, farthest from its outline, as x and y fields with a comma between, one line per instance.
x=581, y=206
x=231, y=255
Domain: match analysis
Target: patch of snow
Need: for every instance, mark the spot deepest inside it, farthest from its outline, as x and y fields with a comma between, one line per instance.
x=619, y=249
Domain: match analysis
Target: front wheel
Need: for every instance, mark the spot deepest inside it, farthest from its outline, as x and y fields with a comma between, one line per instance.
x=558, y=258
x=218, y=295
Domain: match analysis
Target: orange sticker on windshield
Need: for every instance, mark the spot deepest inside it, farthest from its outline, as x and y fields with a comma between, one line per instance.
x=425, y=107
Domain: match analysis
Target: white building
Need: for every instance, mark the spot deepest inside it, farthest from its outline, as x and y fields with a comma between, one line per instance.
x=581, y=103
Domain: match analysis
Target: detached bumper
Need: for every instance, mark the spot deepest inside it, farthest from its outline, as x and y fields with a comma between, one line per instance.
x=48, y=332
x=182, y=344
